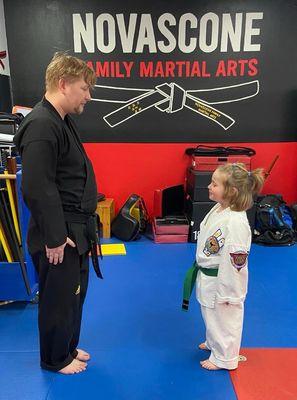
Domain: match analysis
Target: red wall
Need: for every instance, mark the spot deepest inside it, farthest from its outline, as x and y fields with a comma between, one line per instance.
x=124, y=168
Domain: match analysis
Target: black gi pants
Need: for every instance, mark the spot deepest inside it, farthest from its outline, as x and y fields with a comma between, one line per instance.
x=62, y=291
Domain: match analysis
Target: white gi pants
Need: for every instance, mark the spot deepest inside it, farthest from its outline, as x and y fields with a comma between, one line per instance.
x=223, y=325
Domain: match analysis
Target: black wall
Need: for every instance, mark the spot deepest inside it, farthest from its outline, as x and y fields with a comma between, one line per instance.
x=35, y=30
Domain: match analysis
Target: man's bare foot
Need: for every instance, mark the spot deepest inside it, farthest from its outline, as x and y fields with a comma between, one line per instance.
x=82, y=355
x=75, y=367
x=209, y=365
x=202, y=346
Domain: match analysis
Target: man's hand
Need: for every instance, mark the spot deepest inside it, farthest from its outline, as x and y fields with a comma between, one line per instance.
x=56, y=254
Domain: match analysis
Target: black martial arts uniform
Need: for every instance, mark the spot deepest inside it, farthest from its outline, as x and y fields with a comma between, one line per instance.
x=59, y=188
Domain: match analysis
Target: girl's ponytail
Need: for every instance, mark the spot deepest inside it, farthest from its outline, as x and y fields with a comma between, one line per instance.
x=257, y=177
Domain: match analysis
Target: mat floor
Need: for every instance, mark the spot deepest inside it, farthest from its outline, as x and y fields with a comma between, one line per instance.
x=144, y=347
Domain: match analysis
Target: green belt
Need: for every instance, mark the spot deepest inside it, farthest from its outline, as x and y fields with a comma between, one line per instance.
x=209, y=271
x=190, y=280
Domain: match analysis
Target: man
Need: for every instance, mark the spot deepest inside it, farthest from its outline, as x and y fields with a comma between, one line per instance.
x=60, y=191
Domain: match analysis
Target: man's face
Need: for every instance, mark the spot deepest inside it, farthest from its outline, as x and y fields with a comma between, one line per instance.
x=77, y=94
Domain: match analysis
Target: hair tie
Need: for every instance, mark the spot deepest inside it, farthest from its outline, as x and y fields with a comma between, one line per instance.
x=249, y=173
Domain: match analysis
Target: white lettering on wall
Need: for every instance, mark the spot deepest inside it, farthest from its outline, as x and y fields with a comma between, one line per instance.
x=136, y=33
x=163, y=19
x=106, y=41
x=231, y=34
x=211, y=20
x=250, y=31
x=127, y=34
x=146, y=36
x=83, y=33
x=182, y=40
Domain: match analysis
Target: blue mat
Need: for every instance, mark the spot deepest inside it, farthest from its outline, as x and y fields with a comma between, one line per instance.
x=143, y=346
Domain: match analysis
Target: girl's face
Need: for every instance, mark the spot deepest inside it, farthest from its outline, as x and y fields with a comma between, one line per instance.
x=217, y=188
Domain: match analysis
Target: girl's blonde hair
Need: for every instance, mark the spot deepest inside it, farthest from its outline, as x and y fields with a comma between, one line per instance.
x=247, y=184
x=68, y=67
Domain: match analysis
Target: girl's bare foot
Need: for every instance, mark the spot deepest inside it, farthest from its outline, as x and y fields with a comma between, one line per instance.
x=75, y=367
x=202, y=346
x=82, y=355
x=209, y=365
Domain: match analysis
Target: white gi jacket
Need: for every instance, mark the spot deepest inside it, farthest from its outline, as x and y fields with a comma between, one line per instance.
x=224, y=242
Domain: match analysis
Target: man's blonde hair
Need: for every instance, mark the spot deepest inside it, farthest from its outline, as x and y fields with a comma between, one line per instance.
x=241, y=185
x=69, y=68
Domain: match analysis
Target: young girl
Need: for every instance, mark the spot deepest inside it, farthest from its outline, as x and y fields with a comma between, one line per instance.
x=223, y=247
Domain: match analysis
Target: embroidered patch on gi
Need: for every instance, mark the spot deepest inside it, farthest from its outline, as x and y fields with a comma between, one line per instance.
x=239, y=259
x=78, y=290
x=214, y=243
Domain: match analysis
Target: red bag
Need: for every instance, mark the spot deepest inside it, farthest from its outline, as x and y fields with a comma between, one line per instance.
x=210, y=163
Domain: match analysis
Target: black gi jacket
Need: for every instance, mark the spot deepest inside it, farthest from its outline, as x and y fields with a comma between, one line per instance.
x=57, y=177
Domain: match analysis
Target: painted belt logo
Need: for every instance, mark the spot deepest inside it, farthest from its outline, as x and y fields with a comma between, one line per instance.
x=3, y=55
x=214, y=243
x=239, y=259
x=171, y=98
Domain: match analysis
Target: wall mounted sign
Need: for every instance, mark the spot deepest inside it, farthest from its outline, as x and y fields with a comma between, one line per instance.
x=215, y=71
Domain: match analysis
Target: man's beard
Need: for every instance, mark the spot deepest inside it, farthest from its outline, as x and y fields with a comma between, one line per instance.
x=78, y=110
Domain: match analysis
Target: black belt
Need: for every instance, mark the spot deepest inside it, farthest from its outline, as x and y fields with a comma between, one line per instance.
x=92, y=223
